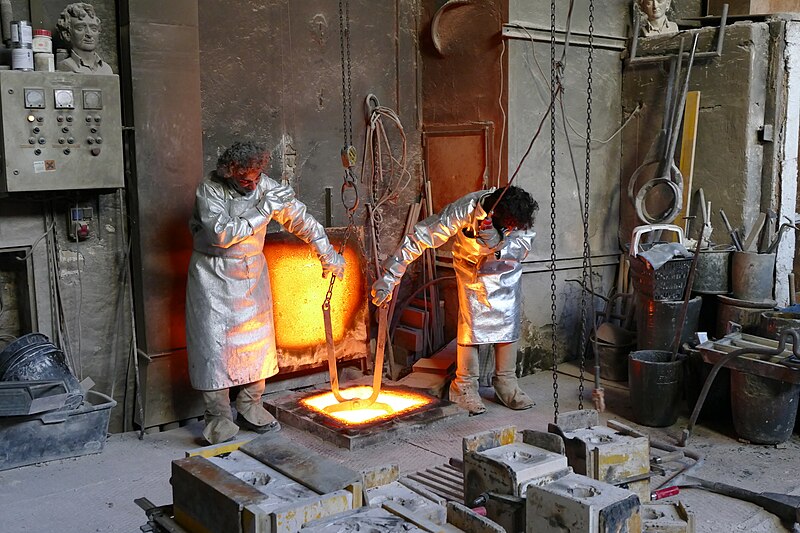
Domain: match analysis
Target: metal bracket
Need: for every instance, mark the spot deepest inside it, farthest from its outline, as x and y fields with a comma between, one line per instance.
x=717, y=52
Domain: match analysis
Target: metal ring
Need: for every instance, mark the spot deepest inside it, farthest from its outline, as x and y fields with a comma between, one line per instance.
x=669, y=215
x=350, y=185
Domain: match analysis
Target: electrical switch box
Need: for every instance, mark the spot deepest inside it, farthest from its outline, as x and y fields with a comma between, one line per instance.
x=60, y=131
x=78, y=223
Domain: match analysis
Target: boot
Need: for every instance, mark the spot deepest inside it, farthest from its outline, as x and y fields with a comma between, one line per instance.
x=464, y=388
x=219, y=422
x=504, y=381
x=252, y=414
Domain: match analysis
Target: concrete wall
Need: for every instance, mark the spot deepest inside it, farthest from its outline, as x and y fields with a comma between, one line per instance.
x=529, y=97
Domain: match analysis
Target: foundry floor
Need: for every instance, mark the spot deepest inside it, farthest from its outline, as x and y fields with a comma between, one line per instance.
x=95, y=493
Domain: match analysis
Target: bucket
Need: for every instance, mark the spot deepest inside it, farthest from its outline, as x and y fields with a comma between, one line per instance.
x=752, y=276
x=773, y=323
x=745, y=313
x=712, y=274
x=656, y=386
x=656, y=322
x=613, y=359
x=764, y=410
x=33, y=357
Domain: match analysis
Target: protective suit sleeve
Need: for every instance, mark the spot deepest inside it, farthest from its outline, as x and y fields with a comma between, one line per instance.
x=223, y=229
x=432, y=232
x=294, y=216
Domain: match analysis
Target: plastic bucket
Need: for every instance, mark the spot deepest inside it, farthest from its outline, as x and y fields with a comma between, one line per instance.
x=33, y=357
x=656, y=387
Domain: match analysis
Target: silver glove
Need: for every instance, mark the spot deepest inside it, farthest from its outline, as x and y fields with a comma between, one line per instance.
x=382, y=291
x=332, y=263
x=275, y=199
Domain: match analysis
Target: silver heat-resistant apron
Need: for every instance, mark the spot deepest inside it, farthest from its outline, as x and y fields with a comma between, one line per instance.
x=230, y=336
x=488, y=279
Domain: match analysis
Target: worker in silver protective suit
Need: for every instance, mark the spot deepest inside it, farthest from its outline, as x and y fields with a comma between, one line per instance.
x=487, y=255
x=230, y=336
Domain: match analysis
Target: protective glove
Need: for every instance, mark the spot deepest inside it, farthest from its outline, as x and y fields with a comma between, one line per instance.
x=275, y=199
x=332, y=263
x=382, y=291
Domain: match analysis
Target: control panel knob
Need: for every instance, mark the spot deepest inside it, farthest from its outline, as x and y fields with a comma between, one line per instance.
x=70, y=140
x=61, y=140
x=42, y=140
x=99, y=140
x=95, y=150
x=97, y=118
x=65, y=129
x=88, y=118
x=93, y=130
x=37, y=152
x=90, y=141
x=69, y=118
x=31, y=140
x=39, y=119
x=66, y=151
x=60, y=118
x=36, y=130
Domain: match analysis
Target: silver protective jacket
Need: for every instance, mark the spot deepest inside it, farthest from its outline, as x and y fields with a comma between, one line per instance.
x=488, y=278
x=230, y=337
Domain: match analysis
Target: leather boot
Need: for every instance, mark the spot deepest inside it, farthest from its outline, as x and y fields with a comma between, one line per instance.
x=252, y=414
x=505, y=384
x=464, y=388
x=219, y=421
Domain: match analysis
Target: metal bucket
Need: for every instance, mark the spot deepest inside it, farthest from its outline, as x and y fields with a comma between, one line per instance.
x=773, y=323
x=763, y=409
x=613, y=359
x=752, y=276
x=656, y=385
x=745, y=313
x=713, y=272
x=656, y=322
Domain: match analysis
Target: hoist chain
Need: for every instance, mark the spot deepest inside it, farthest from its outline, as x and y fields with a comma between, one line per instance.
x=586, y=249
x=553, y=91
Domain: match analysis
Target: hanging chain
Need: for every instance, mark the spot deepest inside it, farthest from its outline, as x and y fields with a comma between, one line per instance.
x=586, y=250
x=553, y=75
x=348, y=151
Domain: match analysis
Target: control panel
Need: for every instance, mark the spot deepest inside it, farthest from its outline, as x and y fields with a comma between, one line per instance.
x=60, y=130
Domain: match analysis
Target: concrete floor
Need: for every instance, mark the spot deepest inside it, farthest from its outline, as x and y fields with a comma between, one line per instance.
x=95, y=493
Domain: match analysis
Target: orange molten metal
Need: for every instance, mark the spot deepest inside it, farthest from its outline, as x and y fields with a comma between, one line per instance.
x=400, y=402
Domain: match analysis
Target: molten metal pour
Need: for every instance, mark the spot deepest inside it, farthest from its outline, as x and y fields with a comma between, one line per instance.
x=357, y=403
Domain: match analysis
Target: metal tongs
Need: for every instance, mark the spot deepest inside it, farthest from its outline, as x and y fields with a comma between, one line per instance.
x=352, y=404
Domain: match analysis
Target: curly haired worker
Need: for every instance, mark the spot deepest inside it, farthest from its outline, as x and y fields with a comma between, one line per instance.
x=487, y=259
x=230, y=336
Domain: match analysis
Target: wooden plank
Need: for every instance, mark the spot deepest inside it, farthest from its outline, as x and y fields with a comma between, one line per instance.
x=691, y=114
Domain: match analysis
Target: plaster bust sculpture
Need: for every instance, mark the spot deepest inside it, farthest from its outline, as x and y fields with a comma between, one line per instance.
x=656, y=13
x=79, y=26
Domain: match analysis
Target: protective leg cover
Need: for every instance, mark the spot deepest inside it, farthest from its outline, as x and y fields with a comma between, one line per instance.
x=252, y=414
x=464, y=388
x=504, y=381
x=219, y=422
